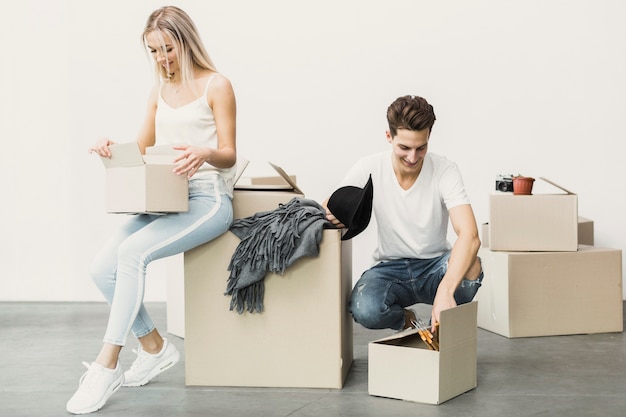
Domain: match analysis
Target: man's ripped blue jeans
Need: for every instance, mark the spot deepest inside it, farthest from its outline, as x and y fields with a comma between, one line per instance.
x=383, y=291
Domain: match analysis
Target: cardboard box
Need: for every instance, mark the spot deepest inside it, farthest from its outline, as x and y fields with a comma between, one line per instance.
x=401, y=366
x=251, y=195
x=302, y=339
x=143, y=184
x=526, y=294
x=585, y=232
x=174, y=268
x=538, y=222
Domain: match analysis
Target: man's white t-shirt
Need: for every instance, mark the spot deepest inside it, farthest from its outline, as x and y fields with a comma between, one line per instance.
x=412, y=223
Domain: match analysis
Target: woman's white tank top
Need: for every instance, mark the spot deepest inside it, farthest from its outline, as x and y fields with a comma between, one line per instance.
x=191, y=124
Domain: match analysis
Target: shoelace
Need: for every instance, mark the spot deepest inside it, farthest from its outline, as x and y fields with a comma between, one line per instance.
x=91, y=377
x=141, y=356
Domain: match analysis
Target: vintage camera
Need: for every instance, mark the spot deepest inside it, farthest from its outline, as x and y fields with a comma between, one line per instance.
x=504, y=183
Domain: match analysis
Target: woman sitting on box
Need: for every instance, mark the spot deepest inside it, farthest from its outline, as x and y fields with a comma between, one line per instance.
x=192, y=108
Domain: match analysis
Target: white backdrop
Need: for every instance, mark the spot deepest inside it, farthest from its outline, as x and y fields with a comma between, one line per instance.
x=534, y=87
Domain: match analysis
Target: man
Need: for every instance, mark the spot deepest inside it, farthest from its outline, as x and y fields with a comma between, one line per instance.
x=415, y=193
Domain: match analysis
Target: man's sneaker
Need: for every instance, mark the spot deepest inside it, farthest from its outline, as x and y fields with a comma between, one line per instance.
x=410, y=318
x=94, y=389
x=147, y=365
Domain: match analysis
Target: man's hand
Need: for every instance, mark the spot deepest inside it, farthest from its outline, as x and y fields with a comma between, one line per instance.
x=443, y=301
x=331, y=217
x=335, y=221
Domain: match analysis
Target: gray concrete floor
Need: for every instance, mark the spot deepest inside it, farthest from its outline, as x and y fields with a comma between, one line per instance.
x=42, y=346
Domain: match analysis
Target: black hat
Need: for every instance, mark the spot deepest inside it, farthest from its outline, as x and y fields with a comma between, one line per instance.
x=352, y=206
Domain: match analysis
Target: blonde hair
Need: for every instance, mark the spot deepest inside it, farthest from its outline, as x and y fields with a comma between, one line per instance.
x=177, y=24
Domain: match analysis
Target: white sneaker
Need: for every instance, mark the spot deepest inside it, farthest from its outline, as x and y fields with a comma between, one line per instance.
x=94, y=388
x=147, y=365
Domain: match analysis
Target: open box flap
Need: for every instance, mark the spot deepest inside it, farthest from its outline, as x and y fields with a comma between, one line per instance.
x=163, y=150
x=158, y=159
x=242, y=163
x=458, y=324
x=404, y=334
x=556, y=185
x=286, y=177
x=123, y=155
x=288, y=186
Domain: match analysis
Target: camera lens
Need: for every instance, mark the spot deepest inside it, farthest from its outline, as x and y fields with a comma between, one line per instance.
x=502, y=186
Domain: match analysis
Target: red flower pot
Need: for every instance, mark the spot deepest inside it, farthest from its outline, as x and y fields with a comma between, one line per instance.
x=523, y=185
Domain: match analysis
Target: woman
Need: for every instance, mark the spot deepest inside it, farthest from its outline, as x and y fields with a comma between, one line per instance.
x=191, y=108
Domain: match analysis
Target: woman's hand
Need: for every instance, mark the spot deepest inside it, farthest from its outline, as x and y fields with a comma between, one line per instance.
x=191, y=159
x=101, y=147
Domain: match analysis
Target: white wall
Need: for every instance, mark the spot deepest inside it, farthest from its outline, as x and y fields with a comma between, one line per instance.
x=533, y=87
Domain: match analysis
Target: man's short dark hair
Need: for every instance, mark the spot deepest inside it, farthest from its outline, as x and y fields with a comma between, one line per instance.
x=411, y=113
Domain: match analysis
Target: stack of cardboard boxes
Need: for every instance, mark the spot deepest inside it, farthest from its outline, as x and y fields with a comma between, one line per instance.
x=543, y=274
x=303, y=338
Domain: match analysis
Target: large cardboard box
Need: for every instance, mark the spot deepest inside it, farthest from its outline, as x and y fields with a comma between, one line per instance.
x=526, y=294
x=303, y=338
x=401, y=366
x=538, y=222
x=143, y=184
x=251, y=195
x=585, y=232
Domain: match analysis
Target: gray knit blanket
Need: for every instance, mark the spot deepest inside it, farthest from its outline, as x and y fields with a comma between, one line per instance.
x=271, y=241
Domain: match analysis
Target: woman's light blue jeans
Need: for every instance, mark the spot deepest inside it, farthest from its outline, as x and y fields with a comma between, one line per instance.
x=119, y=270
x=383, y=291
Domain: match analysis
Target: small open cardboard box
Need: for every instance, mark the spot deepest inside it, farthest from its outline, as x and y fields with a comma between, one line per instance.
x=138, y=183
x=258, y=194
x=538, y=222
x=402, y=366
